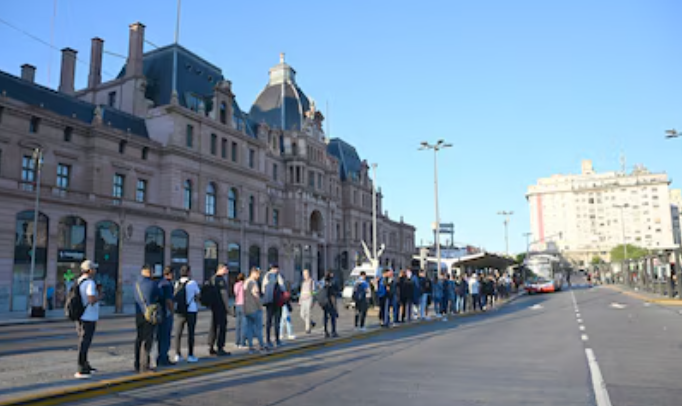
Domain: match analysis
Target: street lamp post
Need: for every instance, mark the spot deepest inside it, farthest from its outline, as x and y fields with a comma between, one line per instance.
x=506, y=215
x=374, y=216
x=625, y=247
x=436, y=147
x=38, y=163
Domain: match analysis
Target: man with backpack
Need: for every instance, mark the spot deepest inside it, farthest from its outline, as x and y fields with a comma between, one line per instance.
x=361, y=292
x=185, y=297
x=146, y=298
x=273, y=300
x=219, y=306
x=166, y=326
x=82, y=306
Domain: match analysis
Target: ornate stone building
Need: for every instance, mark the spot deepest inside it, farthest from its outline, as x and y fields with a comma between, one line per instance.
x=162, y=166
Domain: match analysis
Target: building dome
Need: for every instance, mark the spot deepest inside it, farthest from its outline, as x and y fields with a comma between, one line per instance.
x=268, y=107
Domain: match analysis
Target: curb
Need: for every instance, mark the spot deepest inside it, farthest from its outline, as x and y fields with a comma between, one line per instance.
x=38, y=320
x=131, y=382
x=648, y=299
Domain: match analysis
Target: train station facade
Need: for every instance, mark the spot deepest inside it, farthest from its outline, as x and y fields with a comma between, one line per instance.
x=161, y=166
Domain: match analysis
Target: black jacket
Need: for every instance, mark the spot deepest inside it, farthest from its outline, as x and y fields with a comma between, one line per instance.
x=222, y=291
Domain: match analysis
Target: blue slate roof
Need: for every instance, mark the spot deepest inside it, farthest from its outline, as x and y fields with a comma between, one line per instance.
x=196, y=79
x=349, y=160
x=268, y=107
x=68, y=106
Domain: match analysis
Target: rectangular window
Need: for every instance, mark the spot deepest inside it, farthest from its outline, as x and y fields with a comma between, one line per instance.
x=252, y=158
x=311, y=178
x=2, y=110
x=119, y=181
x=274, y=172
x=141, y=191
x=34, y=125
x=319, y=181
x=275, y=217
x=214, y=144
x=190, y=136
x=223, y=148
x=112, y=99
x=28, y=172
x=63, y=176
x=235, y=152
x=68, y=131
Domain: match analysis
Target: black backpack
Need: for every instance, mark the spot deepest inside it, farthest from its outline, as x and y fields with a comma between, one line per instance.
x=209, y=293
x=74, y=309
x=359, y=295
x=180, y=298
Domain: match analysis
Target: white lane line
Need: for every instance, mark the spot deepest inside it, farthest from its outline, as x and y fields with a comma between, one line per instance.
x=600, y=393
x=584, y=337
x=580, y=320
x=582, y=328
x=577, y=315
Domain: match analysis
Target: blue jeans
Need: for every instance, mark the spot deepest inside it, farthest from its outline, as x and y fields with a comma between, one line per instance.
x=437, y=302
x=396, y=309
x=483, y=298
x=286, y=322
x=254, y=327
x=239, y=325
x=423, y=302
x=459, y=303
x=164, y=339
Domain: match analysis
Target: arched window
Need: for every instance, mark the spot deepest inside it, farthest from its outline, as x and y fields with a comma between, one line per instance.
x=232, y=203
x=210, y=199
x=273, y=256
x=254, y=257
x=23, y=247
x=179, y=250
x=223, y=113
x=210, y=258
x=252, y=209
x=154, y=246
x=106, y=256
x=187, y=195
x=316, y=222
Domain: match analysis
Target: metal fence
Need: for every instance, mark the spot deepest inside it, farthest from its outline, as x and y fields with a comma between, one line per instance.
x=654, y=274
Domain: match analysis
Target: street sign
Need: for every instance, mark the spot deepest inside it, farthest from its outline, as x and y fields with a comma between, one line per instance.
x=447, y=228
x=70, y=255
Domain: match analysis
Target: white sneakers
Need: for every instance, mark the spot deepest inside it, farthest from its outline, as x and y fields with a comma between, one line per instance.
x=292, y=337
x=178, y=358
x=192, y=359
x=79, y=375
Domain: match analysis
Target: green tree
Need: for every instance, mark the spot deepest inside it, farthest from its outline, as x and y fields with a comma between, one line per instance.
x=596, y=260
x=633, y=252
x=520, y=258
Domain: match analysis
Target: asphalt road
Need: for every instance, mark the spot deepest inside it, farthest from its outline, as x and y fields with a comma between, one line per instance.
x=529, y=353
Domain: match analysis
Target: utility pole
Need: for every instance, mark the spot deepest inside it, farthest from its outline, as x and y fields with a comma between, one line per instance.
x=625, y=247
x=506, y=215
x=37, y=164
x=436, y=147
x=374, y=215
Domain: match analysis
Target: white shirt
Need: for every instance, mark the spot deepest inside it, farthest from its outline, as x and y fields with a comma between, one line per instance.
x=89, y=288
x=473, y=286
x=192, y=291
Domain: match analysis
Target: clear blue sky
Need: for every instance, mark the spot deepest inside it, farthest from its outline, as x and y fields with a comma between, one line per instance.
x=523, y=89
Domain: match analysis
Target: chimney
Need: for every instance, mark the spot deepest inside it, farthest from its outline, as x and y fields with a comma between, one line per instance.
x=28, y=72
x=135, y=49
x=68, y=73
x=95, y=76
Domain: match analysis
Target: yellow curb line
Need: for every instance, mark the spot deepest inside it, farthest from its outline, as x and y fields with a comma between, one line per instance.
x=127, y=383
x=667, y=302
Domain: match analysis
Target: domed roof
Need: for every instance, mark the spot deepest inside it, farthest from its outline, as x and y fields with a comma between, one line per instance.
x=268, y=105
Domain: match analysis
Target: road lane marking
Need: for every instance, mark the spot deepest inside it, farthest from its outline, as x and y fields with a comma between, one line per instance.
x=577, y=315
x=584, y=337
x=536, y=307
x=580, y=320
x=600, y=393
x=582, y=328
x=616, y=305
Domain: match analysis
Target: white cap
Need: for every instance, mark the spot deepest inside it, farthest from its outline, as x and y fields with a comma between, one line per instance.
x=88, y=265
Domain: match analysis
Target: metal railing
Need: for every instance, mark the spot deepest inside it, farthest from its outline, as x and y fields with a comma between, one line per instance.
x=650, y=274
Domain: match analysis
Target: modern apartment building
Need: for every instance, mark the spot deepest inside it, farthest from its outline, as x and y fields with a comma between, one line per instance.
x=162, y=166
x=588, y=214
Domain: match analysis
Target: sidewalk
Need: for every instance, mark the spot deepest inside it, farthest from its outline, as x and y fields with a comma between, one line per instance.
x=56, y=315
x=645, y=296
x=52, y=369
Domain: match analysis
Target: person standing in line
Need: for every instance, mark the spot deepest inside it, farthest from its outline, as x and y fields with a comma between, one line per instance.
x=416, y=294
x=253, y=311
x=217, y=333
x=146, y=294
x=330, y=313
x=459, y=295
x=240, y=322
x=437, y=296
x=273, y=286
x=166, y=327
x=382, y=295
x=90, y=296
x=306, y=300
x=452, y=298
x=285, y=323
x=426, y=288
x=445, y=287
x=361, y=291
x=185, y=295
x=474, y=291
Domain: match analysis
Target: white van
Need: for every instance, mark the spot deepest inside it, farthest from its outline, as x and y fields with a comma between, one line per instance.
x=371, y=272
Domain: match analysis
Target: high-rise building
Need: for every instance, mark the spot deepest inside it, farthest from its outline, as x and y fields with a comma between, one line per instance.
x=587, y=214
x=161, y=166
x=676, y=212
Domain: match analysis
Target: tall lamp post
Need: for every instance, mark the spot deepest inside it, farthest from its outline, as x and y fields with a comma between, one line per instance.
x=38, y=164
x=625, y=247
x=436, y=147
x=506, y=215
x=672, y=133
